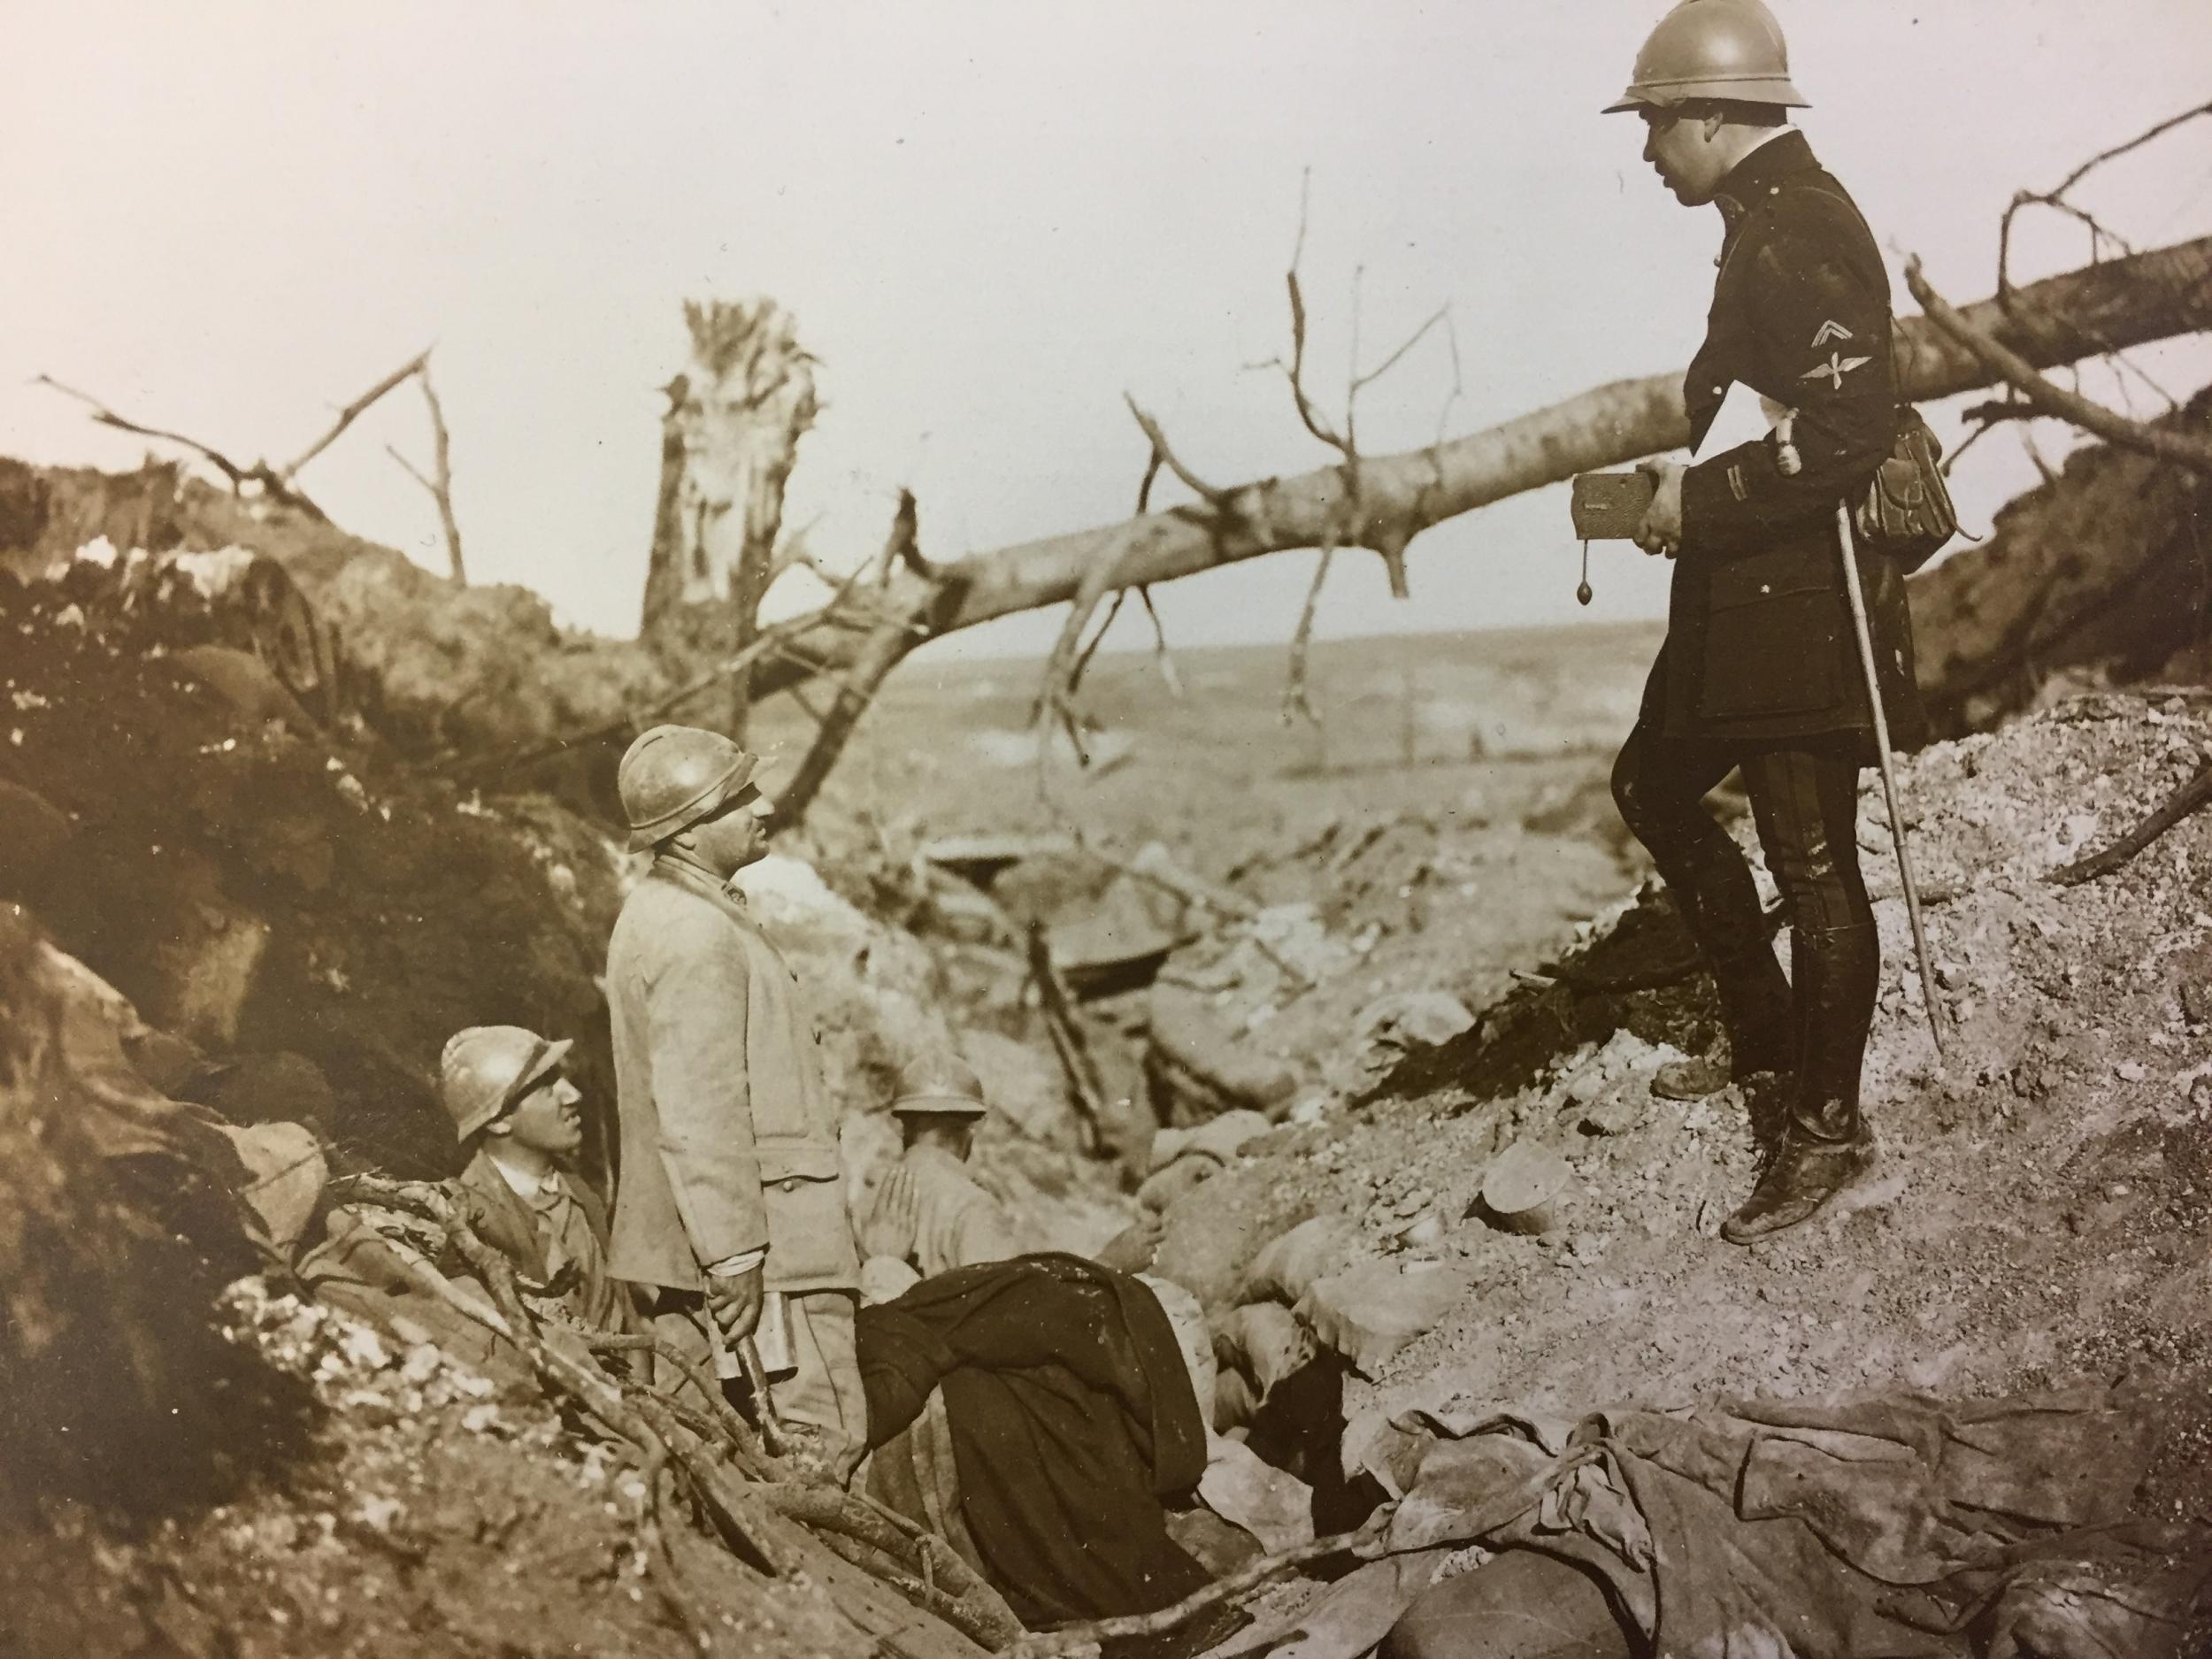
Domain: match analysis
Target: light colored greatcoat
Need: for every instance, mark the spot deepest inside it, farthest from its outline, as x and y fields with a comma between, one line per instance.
x=729, y=1141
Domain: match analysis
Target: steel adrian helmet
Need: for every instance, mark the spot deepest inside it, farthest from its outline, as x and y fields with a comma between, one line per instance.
x=940, y=1084
x=675, y=775
x=486, y=1069
x=1712, y=48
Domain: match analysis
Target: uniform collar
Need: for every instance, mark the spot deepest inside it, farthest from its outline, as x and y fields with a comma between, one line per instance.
x=1761, y=172
x=675, y=867
x=531, y=1187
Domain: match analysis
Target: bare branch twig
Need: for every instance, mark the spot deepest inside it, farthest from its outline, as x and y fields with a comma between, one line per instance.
x=2191, y=797
x=107, y=417
x=350, y=413
x=259, y=474
x=2056, y=196
x=1223, y=501
x=2008, y=365
x=1297, y=698
x=441, y=486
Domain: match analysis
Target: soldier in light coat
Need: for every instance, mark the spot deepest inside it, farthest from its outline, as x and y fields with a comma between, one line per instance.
x=730, y=1200
x=930, y=1216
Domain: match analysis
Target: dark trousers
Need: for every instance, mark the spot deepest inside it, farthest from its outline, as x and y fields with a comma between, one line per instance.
x=1804, y=799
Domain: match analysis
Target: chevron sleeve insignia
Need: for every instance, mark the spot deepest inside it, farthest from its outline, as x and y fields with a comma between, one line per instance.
x=1830, y=330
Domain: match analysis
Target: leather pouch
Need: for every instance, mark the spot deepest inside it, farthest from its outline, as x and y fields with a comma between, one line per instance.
x=1907, y=514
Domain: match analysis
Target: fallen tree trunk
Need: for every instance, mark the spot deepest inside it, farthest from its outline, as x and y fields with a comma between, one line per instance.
x=2105, y=307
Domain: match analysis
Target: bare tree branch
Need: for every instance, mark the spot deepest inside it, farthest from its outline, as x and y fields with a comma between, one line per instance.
x=107, y=417
x=1221, y=501
x=259, y=474
x=350, y=413
x=885, y=648
x=2102, y=239
x=2191, y=796
x=1161, y=655
x=2009, y=366
x=2056, y=197
x=441, y=485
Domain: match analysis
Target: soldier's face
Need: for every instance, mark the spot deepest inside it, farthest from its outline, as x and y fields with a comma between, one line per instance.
x=546, y=1119
x=737, y=836
x=1680, y=148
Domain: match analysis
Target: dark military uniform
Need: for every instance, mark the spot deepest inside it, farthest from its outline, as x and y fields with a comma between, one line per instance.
x=1761, y=667
x=1759, y=638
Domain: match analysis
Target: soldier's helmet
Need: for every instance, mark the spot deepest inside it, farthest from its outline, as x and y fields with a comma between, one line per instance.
x=675, y=775
x=1712, y=48
x=940, y=1085
x=486, y=1069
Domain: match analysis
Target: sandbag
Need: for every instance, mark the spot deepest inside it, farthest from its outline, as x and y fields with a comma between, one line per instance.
x=1284, y=1270
x=1369, y=1312
x=1220, y=1139
x=286, y=1174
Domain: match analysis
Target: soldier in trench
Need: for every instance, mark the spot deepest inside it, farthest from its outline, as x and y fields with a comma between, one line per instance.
x=731, y=1202
x=929, y=1215
x=514, y=1110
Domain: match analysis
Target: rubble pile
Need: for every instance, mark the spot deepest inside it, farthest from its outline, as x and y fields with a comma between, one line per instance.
x=2039, y=1213
x=438, y=1514
x=258, y=889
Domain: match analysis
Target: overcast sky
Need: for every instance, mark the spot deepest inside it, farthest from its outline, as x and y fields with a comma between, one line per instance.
x=991, y=221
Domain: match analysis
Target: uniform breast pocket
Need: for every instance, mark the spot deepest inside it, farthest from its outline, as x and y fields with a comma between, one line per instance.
x=1773, y=637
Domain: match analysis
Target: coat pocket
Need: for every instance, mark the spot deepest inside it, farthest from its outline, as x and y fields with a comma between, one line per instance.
x=809, y=1235
x=1773, y=638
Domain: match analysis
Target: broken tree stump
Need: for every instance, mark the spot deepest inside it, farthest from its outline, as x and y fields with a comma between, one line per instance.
x=735, y=416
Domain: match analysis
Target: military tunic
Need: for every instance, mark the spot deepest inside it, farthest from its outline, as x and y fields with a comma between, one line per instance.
x=1760, y=645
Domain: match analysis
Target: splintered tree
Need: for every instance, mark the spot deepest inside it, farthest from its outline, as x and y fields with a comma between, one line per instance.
x=732, y=432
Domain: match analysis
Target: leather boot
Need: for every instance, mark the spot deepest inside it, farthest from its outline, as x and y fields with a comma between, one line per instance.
x=1825, y=1145
x=1807, y=1170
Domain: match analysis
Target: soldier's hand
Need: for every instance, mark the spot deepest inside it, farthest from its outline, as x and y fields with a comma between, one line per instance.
x=1661, y=531
x=895, y=1220
x=1132, y=1249
x=734, y=1304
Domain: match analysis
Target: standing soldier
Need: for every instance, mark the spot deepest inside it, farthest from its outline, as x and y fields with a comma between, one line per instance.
x=731, y=1199
x=1760, y=668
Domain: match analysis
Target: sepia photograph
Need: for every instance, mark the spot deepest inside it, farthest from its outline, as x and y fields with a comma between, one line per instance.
x=1107, y=831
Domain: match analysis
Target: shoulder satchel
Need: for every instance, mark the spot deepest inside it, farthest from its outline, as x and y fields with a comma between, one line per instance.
x=1906, y=514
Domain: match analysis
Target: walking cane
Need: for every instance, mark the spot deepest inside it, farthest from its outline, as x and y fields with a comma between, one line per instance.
x=1889, y=775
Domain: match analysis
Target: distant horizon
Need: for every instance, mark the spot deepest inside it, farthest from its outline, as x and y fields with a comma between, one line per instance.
x=1320, y=646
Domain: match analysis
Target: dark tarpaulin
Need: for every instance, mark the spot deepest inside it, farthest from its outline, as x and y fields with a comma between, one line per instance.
x=1072, y=1418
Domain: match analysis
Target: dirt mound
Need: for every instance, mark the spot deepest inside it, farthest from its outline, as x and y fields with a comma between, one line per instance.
x=448, y=669
x=2099, y=576
x=117, y=1230
x=2039, y=1213
x=436, y=1516
x=254, y=888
